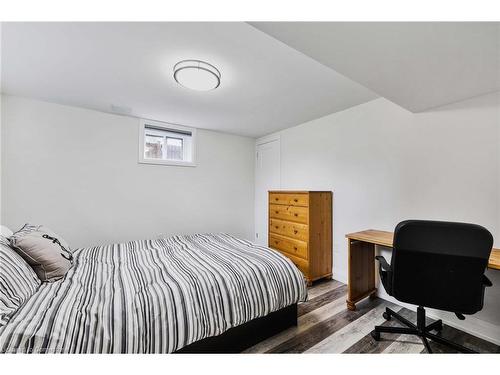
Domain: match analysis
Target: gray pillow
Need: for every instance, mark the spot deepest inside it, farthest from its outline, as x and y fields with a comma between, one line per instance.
x=17, y=280
x=46, y=252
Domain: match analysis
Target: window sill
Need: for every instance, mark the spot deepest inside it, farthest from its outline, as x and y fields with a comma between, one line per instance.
x=168, y=162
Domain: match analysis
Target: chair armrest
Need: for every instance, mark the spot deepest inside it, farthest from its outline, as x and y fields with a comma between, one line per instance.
x=487, y=281
x=385, y=272
x=383, y=263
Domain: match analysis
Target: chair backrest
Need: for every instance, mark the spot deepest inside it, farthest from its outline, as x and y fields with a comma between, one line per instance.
x=440, y=264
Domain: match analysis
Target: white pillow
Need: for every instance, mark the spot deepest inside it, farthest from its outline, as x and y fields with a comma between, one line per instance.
x=6, y=232
x=47, y=253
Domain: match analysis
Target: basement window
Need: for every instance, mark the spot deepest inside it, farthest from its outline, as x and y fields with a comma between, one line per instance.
x=167, y=144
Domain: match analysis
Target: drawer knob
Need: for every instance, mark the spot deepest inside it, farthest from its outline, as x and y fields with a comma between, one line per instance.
x=295, y=248
x=295, y=200
x=277, y=212
x=295, y=231
x=295, y=214
x=277, y=199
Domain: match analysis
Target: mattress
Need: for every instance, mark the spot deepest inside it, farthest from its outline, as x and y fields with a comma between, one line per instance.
x=153, y=296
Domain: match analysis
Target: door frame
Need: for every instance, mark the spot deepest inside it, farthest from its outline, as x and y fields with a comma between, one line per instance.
x=268, y=139
x=259, y=142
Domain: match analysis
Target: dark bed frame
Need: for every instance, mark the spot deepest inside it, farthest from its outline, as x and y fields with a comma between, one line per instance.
x=242, y=337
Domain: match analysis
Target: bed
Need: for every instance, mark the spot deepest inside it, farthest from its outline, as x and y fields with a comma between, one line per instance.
x=195, y=293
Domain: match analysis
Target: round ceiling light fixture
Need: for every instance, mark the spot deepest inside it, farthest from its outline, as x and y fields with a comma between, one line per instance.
x=197, y=75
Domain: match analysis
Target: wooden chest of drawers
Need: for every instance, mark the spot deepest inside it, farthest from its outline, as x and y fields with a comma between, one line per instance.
x=300, y=227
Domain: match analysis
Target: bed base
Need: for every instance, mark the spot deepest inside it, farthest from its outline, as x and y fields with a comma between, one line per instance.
x=237, y=339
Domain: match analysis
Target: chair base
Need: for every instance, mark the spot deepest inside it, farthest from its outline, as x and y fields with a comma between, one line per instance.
x=420, y=330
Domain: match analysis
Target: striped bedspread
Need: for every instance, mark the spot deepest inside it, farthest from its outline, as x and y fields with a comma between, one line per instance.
x=153, y=296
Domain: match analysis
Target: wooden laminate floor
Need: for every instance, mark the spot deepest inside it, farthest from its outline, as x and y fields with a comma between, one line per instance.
x=326, y=326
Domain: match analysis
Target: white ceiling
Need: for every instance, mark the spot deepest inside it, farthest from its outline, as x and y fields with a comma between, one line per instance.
x=266, y=85
x=416, y=65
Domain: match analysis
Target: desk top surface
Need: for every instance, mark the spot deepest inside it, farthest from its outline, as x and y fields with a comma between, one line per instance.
x=384, y=238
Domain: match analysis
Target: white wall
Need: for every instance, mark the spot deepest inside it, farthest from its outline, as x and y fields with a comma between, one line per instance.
x=76, y=171
x=1, y=87
x=385, y=164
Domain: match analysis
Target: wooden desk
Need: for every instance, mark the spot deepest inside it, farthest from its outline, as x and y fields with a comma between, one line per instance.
x=361, y=269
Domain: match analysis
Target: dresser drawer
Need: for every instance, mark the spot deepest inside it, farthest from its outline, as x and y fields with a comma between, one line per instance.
x=301, y=200
x=288, y=245
x=303, y=267
x=287, y=228
x=290, y=213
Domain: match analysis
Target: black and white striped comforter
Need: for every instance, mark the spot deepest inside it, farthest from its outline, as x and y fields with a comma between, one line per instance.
x=153, y=296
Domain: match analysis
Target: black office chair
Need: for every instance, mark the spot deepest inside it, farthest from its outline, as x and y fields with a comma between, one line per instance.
x=438, y=265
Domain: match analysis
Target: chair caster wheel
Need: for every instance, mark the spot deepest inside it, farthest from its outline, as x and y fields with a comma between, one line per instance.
x=375, y=335
x=386, y=316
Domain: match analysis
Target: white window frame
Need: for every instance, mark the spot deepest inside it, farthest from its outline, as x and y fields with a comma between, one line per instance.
x=172, y=127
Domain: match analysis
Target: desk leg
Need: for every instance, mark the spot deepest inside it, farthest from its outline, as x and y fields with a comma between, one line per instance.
x=361, y=272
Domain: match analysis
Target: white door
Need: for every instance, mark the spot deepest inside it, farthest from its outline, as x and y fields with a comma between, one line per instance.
x=267, y=177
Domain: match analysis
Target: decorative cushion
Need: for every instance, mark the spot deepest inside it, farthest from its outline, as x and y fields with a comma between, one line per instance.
x=18, y=282
x=46, y=252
